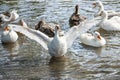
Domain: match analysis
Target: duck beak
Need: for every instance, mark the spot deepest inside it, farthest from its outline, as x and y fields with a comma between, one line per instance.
x=6, y=28
x=99, y=37
x=94, y=5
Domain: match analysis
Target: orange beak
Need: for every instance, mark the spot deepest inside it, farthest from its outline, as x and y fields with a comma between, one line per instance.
x=84, y=17
x=99, y=37
x=6, y=28
x=101, y=13
x=94, y=5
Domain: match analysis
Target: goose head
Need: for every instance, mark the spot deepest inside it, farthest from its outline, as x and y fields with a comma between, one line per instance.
x=103, y=13
x=14, y=14
x=7, y=28
x=23, y=23
x=97, y=3
x=97, y=35
x=58, y=31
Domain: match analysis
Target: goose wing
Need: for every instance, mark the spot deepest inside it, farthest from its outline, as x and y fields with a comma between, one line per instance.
x=110, y=15
x=76, y=31
x=35, y=35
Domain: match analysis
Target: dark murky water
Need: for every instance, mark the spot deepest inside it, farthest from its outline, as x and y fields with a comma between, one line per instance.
x=26, y=59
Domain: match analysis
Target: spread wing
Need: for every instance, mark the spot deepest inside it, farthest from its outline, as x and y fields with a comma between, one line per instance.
x=76, y=31
x=35, y=35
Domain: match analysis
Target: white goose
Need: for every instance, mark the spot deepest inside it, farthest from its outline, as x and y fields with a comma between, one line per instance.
x=95, y=40
x=13, y=16
x=58, y=45
x=8, y=35
x=112, y=24
x=99, y=4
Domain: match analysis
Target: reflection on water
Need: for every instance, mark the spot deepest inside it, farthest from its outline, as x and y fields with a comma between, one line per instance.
x=58, y=67
x=13, y=48
x=26, y=59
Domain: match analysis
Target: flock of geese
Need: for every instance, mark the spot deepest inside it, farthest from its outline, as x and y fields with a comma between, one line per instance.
x=52, y=38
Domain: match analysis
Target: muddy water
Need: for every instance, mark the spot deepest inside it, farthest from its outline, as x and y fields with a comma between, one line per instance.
x=26, y=59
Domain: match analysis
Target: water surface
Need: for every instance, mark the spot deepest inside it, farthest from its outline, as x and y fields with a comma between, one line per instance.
x=26, y=59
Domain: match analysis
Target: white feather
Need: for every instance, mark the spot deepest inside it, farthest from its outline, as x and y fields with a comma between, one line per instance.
x=76, y=31
x=57, y=45
x=35, y=35
x=95, y=40
x=13, y=16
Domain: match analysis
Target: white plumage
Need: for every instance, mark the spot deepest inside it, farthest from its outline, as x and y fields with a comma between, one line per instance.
x=112, y=24
x=13, y=16
x=58, y=45
x=8, y=35
x=95, y=40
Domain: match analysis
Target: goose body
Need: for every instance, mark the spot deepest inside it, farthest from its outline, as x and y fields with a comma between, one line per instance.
x=9, y=36
x=76, y=18
x=112, y=24
x=57, y=46
x=94, y=40
x=13, y=16
x=99, y=4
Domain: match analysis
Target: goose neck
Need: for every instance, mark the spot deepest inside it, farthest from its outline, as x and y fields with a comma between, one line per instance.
x=56, y=33
x=105, y=16
x=101, y=8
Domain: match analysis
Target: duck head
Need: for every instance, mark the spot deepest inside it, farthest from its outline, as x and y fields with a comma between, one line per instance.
x=76, y=9
x=40, y=24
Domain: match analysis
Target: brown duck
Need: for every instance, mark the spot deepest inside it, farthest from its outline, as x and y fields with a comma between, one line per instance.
x=46, y=28
x=76, y=18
